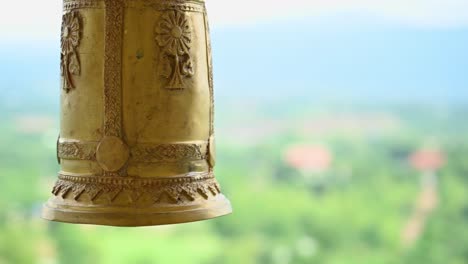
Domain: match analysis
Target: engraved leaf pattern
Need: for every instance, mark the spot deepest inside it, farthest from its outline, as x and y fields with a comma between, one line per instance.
x=187, y=68
x=70, y=40
x=179, y=191
x=165, y=67
x=74, y=65
x=174, y=36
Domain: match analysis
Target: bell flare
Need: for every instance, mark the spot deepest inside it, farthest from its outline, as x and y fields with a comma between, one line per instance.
x=137, y=142
x=132, y=217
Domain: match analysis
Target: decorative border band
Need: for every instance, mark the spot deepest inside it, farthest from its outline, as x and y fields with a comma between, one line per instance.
x=113, y=68
x=169, y=152
x=69, y=5
x=178, y=190
x=77, y=150
x=148, y=153
x=135, y=181
x=185, y=6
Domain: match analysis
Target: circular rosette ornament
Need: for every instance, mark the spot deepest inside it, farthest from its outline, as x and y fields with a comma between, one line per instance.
x=174, y=37
x=70, y=40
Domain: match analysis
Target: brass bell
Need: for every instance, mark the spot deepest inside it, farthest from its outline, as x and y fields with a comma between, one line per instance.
x=136, y=144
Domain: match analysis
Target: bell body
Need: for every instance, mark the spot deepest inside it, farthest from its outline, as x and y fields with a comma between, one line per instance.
x=136, y=144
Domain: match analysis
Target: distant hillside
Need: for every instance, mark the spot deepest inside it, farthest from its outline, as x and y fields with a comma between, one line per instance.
x=302, y=60
x=336, y=62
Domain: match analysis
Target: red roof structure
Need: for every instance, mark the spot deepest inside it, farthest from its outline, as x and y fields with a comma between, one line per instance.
x=311, y=158
x=427, y=160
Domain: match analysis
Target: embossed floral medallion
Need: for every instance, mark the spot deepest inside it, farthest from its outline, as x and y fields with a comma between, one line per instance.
x=70, y=40
x=174, y=36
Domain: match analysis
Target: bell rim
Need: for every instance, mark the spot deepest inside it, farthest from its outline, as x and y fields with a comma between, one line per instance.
x=213, y=209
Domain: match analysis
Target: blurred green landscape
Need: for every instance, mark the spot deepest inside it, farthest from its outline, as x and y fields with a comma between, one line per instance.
x=341, y=132
x=357, y=207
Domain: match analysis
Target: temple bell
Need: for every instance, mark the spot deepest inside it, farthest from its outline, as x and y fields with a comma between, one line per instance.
x=136, y=144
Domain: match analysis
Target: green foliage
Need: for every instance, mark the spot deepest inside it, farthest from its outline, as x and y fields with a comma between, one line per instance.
x=353, y=213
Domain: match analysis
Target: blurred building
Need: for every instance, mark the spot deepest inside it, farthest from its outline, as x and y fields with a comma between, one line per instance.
x=308, y=158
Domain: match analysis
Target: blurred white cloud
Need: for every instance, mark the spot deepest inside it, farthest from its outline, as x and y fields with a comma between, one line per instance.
x=41, y=19
x=30, y=19
x=426, y=13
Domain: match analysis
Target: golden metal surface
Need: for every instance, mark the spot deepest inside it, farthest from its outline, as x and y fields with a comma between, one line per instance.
x=112, y=153
x=136, y=143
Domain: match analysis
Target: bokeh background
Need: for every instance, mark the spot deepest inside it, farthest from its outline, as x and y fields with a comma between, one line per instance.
x=342, y=138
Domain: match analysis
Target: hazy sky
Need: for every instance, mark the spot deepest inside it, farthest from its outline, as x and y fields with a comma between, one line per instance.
x=370, y=49
x=33, y=19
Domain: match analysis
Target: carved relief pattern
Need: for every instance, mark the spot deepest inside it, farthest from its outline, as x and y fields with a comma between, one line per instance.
x=169, y=153
x=163, y=5
x=92, y=194
x=140, y=153
x=178, y=190
x=113, y=68
x=76, y=150
x=159, y=5
x=70, y=40
x=69, y=5
x=174, y=37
